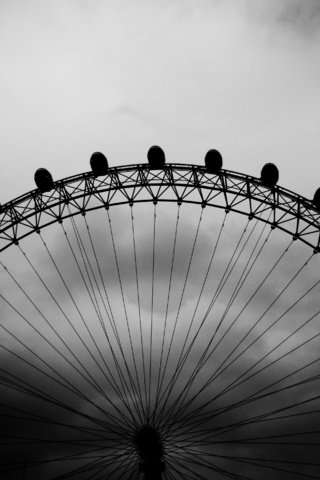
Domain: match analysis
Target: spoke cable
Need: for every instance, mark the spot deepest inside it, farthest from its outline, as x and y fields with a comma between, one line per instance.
x=113, y=325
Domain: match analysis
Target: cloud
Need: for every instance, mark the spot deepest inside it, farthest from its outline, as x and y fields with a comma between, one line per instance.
x=300, y=19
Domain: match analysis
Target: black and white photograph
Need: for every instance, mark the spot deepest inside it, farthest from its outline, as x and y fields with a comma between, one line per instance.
x=159, y=239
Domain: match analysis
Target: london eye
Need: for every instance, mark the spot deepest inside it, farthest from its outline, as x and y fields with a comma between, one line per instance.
x=160, y=321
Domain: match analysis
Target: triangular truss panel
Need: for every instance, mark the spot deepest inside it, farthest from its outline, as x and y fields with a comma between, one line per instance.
x=179, y=183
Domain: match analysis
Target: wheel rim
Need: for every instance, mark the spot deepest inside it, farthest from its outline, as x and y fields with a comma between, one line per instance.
x=180, y=323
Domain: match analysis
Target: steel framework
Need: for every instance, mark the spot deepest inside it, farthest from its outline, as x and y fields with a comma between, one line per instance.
x=229, y=190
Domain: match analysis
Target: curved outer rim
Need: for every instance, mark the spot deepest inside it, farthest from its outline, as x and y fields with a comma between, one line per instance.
x=179, y=183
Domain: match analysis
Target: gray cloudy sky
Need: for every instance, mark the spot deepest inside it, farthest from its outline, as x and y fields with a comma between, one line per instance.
x=118, y=76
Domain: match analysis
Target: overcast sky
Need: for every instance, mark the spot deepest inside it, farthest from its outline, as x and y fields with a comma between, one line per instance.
x=118, y=76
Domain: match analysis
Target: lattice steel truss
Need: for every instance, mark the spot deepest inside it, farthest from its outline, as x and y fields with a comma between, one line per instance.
x=180, y=183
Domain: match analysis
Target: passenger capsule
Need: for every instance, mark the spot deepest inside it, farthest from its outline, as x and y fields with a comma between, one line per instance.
x=43, y=179
x=269, y=175
x=156, y=157
x=99, y=164
x=316, y=199
x=213, y=161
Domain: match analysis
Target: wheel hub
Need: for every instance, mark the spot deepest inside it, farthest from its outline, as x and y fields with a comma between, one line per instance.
x=150, y=449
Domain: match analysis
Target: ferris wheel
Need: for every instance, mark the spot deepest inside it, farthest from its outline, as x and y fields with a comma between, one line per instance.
x=160, y=321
